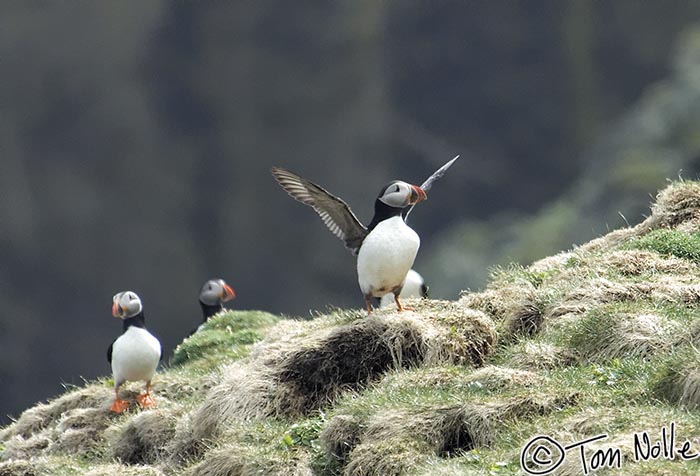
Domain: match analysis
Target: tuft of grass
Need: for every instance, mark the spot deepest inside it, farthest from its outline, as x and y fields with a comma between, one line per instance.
x=145, y=437
x=675, y=206
x=594, y=340
x=608, y=333
x=249, y=448
x=677, y=378
x=537, y=356
x=400, y=437
x=668, y=242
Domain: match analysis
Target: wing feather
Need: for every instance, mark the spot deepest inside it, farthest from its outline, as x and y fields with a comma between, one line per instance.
x=334, y=212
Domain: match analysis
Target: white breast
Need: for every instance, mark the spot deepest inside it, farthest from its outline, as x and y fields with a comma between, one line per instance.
x=386, y=256
x=135, y=356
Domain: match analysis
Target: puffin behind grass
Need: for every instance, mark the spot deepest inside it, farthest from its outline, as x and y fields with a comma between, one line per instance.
x=212, y=296
x=413, y=287
x=134, y=356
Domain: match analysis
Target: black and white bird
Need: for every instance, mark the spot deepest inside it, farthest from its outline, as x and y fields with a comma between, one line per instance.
x=212, y=296
x=413, y=287
x=135, y=354
x=385, y=249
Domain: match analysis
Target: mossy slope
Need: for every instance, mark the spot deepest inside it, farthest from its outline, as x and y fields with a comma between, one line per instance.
x=598, y=340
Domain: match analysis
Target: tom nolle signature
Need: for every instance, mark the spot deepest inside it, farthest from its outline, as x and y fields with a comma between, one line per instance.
x=543, y=454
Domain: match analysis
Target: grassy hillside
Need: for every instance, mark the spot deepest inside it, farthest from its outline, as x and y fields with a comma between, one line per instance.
x=600, y=340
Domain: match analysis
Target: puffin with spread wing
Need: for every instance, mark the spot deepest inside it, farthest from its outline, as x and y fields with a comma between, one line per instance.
x=387, y=247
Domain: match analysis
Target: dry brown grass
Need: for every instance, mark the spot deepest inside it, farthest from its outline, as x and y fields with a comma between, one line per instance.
x=674, y=205
x=396, y=441
x=609, y=241
x=180, y=385
x=600, y=337
x=622, y=440
x=40, y=416
x=19, y=448
x=18, y=468
x=124, y=470
x=690, y=389
x=341, y=435
x=80, y=423
x=579, y=300
x=519, y=306
x=677, y=206
x=294, y=377
x=80, y=431
x=416, y=389
x=490, y=377
x=72, y=423
x=599, y=291
x=145, y=438
x=500, y=301
x=243, y=461
x=541, y=356
x=678, y=379
x=637, y=262
x=677, y=289
x=384, y=458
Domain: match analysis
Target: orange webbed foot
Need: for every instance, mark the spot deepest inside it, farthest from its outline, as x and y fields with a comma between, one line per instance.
x=145, y=400
x=119, y=406
x=401, y=307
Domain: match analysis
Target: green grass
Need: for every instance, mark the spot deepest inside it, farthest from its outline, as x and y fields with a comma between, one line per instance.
x=614, y=352
x=668, y=242
x=226, y=336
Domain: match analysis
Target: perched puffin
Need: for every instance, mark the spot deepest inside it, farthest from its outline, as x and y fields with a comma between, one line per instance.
x=385, y=249
x=213, y=295
x=413, y=287
x=136, y=353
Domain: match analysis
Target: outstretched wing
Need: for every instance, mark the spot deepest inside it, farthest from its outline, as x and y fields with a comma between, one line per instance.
x=334, y=212
x=428, y=184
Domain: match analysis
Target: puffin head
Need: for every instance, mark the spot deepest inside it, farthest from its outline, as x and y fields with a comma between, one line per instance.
x=126, y=304
x=398, y=194
x=216, y=291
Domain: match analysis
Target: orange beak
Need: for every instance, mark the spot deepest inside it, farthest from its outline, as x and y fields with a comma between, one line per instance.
x=228, y=293
x=116, y=309
x=417, y=195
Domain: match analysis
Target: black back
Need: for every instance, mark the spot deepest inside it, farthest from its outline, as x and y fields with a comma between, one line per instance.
x=209, y=310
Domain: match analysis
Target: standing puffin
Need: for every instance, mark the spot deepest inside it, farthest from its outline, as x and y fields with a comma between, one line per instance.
x=385, y=249
x=212, y=296
x=413, y=287
x=136, y=353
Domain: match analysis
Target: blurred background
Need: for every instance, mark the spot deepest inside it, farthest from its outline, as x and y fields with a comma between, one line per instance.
x=136, y=140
